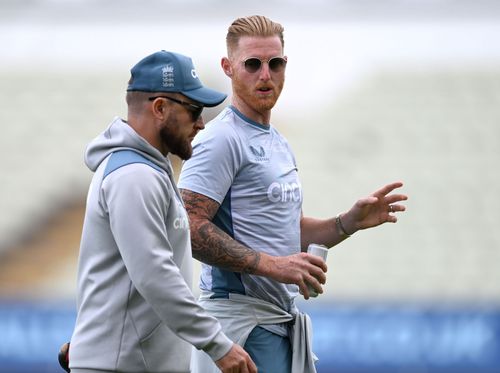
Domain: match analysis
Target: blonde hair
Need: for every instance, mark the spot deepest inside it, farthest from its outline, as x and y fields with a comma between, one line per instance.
x=252, y=26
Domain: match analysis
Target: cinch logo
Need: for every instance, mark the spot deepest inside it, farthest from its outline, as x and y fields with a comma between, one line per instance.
x=284, y=192
x=193, y=74
x=260, y=155
x=168, y=76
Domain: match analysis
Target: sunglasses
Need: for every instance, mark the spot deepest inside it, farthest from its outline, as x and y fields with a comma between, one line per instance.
x=254, y=64
x=194, y=109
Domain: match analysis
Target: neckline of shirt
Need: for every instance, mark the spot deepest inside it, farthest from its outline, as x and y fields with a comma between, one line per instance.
x=250, y=121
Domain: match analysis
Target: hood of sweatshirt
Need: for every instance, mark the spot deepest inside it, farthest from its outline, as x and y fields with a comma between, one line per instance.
x=120, y=136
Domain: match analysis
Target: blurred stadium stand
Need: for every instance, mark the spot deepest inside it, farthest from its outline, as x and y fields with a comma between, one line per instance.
x=419, y=297
x=352, y=338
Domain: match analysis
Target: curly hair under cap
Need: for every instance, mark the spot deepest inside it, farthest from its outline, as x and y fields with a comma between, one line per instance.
x=252, y=26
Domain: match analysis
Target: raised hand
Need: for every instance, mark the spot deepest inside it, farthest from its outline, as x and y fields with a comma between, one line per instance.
x=378, y=208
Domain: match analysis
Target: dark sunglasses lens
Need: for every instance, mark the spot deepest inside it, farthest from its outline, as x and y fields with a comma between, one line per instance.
x=196, y=113
x=277, y=64
x=252, y=65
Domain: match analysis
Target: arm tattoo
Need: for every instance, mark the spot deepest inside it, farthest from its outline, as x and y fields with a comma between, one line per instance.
x=210, y=244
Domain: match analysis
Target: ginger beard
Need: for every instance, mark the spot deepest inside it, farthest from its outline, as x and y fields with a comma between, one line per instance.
x=261, y=96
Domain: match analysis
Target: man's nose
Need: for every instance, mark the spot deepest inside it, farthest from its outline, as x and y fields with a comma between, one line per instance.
x=264, y=73
x=200, y=123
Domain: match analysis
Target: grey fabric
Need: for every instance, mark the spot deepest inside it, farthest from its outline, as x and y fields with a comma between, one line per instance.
x=251, y=171
x=136, y=312
x=240, y=314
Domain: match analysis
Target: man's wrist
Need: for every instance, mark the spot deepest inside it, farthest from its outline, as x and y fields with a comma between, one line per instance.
x=219, y=346
x=343, y=233
x=265, y=265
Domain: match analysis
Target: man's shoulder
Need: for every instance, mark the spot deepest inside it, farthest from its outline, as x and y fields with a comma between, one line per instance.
x=126, y=157
x=221, y=129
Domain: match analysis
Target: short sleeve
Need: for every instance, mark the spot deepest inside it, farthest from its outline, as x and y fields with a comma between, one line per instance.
x=216, y=159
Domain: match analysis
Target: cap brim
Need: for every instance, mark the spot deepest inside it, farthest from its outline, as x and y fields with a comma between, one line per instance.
x=206, y=96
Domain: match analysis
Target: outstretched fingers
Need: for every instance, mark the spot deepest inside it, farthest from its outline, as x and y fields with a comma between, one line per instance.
x=393, y=198
x=391, y=201
x=385, y=190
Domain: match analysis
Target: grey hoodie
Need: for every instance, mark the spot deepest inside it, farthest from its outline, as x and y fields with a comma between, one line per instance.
x=136, y=312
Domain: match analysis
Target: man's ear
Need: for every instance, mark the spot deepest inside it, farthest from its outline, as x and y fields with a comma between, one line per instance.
x=160, y=109
x=226, y=66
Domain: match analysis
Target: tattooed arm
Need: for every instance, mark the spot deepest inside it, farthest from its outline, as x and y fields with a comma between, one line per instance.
x=210, y=244
x=213, y=246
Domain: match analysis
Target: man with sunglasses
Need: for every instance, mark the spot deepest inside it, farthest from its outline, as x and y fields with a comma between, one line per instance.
x=136, y=312
x=244, y=198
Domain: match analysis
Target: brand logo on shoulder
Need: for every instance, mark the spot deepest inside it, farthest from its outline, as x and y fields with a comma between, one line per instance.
x=168, y=76
x=260, y=154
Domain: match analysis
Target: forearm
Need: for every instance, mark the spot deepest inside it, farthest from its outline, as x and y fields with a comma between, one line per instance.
x=213, y=246
x=368, y=212
x=320, y=231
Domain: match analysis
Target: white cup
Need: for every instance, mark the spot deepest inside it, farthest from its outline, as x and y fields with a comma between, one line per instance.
x=321, y=251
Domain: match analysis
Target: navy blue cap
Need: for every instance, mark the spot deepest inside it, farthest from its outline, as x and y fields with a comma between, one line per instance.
x=172, y=72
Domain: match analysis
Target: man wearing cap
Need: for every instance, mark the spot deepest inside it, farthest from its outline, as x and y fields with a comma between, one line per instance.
x=136, y=312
